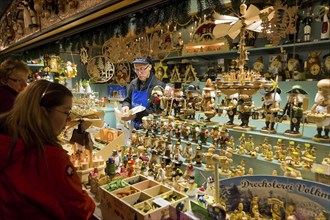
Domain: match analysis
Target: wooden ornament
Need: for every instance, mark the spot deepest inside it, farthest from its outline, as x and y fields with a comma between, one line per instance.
x=202, y=40
x=100, y=69
x=161, y=71
x=190, y=74
x=160, y=45
x=113, y=49
x=175, y=76
x=122, y=76
x=83, y=55
x=278, y=21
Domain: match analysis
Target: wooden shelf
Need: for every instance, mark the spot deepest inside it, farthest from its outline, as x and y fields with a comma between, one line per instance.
x=255, y=51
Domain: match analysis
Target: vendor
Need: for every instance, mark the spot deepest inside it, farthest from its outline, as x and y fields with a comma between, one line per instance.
x=139, y=91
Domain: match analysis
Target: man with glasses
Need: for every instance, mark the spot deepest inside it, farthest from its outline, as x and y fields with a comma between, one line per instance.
x=139, y=90
x=13, y=78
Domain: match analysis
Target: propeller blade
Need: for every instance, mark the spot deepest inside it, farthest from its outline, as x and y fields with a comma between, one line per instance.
x=252, y=13
x=221, y=30
x=234, y=34
x=256, y=26
x=235, y=27
x=222, y=19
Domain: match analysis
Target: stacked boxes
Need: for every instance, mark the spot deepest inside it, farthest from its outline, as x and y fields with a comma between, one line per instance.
x=142, y=199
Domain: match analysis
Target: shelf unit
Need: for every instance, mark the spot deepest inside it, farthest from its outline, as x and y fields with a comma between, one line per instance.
x=255, y=50
x=260, y=165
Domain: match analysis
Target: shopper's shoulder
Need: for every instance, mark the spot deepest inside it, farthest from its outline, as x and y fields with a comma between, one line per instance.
x=7, y=91
x=54, y=151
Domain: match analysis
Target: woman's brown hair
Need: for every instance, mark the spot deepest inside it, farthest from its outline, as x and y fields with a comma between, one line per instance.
x=28, y=119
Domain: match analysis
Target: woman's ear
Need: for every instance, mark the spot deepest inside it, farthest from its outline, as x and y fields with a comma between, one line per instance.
x=44, y=111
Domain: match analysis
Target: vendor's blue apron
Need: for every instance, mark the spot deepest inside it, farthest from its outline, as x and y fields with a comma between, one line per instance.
x=140, y=98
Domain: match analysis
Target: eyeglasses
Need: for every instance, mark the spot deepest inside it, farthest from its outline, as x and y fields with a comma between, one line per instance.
x=20, y=81
x=66, y=113
x=140, y=70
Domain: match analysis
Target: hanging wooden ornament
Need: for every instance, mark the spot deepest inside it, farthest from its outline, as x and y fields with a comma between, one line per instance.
x=278, y=21
x=161, y=44
x=203, y=41
x=161, y=71
x=175, y=76
x=100, y=69
x=83, y=55
x=122, y=76
x=114, y=49
x=190, y=74
x=136, y=46
x=53, y=63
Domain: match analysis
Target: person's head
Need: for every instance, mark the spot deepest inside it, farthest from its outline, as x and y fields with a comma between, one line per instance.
x=39, y=114
x=142, y=68
x=14, y=73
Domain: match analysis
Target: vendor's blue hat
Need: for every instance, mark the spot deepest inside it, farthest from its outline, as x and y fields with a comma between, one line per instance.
x=139, y=60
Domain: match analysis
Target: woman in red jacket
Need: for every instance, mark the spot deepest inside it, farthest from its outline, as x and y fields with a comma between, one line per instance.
x=13, y=77
x=37, y=179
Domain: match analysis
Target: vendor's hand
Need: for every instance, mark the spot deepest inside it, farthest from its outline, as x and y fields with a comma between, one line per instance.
x=125, y=109
x=127, y=117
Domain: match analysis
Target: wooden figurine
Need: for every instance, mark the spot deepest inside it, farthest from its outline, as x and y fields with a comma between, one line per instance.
x=194, y=131
x=231, y=144
x=185, y=131
x=313, y=65
x=155, y=102
x=198, y=156
x=188, y=153
x=225, y=163
x=191, y=95
x=203, y=134
x=177, y=102
x=245, y=105
x=224, y=139
x=208, y=158
x=215, y=134
x=207, y=102
x=165, y=102
x=258, y=65
x=190, y=171
x=177, y=129
x=326, y=64
x=270, y=108
x=191, y=187
x=320, y=111
x=307, y=28
x=294, y=110
x=177, y=152
x=294, y=68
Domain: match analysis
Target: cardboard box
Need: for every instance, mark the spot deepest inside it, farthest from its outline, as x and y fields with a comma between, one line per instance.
x=150, y=200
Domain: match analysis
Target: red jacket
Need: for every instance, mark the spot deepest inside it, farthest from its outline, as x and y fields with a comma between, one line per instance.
x=7, y=98
x=44, y=189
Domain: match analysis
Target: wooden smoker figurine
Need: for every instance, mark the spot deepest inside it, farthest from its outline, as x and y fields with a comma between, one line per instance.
x=294, y=110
